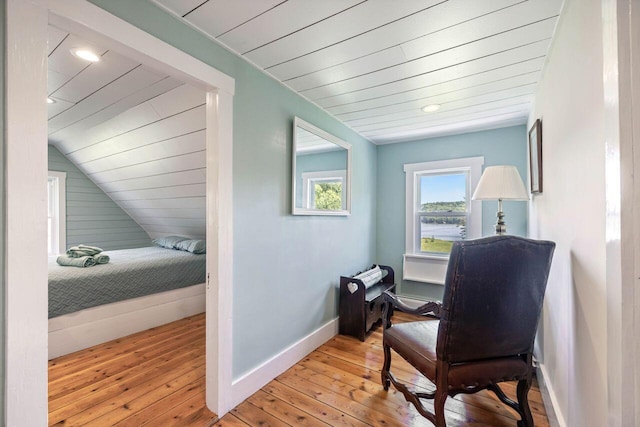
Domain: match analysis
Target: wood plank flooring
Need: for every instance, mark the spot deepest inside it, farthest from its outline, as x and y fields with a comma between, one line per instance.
x=156, y=378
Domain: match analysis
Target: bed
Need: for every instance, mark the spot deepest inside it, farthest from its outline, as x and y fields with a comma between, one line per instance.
x=138, y=289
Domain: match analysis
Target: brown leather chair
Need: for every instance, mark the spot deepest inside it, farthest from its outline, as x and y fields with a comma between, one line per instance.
x=487, y=323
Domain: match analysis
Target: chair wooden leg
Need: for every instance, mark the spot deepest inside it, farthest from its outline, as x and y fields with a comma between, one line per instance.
x=438, y=406
x=411, y=397
x=523, y=402
x=385, y=368
x=503, y=397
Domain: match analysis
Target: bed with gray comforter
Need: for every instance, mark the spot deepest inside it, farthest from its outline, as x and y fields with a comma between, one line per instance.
x=131, y=273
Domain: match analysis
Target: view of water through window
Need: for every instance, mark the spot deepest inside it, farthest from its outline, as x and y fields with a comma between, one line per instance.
x=443, y=208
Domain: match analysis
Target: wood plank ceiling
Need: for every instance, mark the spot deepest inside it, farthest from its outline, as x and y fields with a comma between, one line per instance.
x=138, y=134
x=375, y=64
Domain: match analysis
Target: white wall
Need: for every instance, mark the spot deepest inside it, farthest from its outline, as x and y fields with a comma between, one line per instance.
x=571, y=212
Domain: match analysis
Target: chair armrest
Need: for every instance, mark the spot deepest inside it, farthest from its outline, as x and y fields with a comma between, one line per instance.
x=432, y=307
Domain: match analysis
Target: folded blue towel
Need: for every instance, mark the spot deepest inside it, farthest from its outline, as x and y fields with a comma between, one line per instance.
x=90, y=248
x=82, y=251
x=67, y=261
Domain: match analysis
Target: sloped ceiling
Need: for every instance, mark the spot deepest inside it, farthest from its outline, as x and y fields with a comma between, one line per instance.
x=374, y=64
x=136, y=133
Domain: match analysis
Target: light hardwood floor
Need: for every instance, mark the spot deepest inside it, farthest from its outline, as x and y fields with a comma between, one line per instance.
x=156, y=378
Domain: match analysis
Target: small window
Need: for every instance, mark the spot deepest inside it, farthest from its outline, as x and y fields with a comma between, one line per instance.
x=439, y=211
x=324, y=190
x=56, y=212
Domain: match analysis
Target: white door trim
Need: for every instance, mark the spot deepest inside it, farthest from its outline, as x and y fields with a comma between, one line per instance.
x=634, y=284
x=25, y=192
x=26, y=169
x=620, y=26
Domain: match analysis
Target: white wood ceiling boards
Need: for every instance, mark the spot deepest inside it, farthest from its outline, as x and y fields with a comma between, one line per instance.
x=187, y=177
x=366, y=59
x=136, y=133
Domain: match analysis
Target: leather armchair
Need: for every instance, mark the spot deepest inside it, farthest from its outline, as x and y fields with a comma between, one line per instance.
x=483, y=331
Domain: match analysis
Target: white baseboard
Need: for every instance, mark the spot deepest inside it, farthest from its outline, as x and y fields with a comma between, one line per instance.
x=255, y=379
x=556, y=419
x=93, y=326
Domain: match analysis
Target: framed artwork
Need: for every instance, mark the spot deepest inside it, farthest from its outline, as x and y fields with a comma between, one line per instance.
x=535, y=156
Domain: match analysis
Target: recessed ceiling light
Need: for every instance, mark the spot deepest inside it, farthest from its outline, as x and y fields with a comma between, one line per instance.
x=85, y=54
x=51, y=101
x=431, y=108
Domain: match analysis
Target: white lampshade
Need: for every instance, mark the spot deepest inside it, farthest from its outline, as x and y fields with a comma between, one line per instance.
x=500, y=182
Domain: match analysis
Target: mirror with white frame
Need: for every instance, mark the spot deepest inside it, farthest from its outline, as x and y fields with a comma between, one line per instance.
x=321, y=172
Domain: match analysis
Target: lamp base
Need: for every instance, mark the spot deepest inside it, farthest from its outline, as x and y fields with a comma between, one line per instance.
x=501, y=227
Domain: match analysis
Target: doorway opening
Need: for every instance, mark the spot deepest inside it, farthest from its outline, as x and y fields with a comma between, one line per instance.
x=26, y=332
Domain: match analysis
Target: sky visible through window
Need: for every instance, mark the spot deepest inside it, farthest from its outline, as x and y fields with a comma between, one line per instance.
x=439, y=195
x=443, y=188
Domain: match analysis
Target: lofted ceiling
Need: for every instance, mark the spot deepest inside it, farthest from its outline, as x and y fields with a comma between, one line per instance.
x=138, y=134
x=375, y=64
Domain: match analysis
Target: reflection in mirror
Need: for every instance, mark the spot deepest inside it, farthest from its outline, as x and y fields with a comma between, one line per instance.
x=321, y=172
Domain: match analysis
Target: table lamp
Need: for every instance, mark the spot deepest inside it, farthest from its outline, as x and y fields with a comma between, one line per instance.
x=500, y=183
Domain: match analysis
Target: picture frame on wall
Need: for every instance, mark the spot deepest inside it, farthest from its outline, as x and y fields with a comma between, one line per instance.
x=535, y=156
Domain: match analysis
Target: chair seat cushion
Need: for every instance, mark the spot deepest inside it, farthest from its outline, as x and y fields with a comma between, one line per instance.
x=416, y=342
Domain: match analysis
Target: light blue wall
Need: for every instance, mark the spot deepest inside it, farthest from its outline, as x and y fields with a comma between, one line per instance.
x=92, y=217
x=499, y=147
x=286, y=268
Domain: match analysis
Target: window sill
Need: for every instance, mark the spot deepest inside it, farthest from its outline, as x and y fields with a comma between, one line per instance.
x=429, y=256
x=425, y=268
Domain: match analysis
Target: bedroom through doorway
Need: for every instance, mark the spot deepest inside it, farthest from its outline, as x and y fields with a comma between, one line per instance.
x=27, y=76
x=126, y=175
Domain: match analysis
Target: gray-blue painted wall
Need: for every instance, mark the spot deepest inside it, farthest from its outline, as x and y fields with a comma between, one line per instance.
x=506, y=146
x=286, y=268
x=92, y=217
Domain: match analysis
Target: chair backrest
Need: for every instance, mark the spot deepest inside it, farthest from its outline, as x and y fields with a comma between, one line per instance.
x=493, y=297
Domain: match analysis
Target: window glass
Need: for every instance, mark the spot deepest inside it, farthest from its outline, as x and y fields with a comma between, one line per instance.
x=442, y=210
x=327, y=195
x=324, y=191
x=443, y=192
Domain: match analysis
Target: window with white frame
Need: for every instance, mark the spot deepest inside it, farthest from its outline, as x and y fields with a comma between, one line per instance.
x=56, y=215
x=439, y=211
x=442, y=211
x=324, y=190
